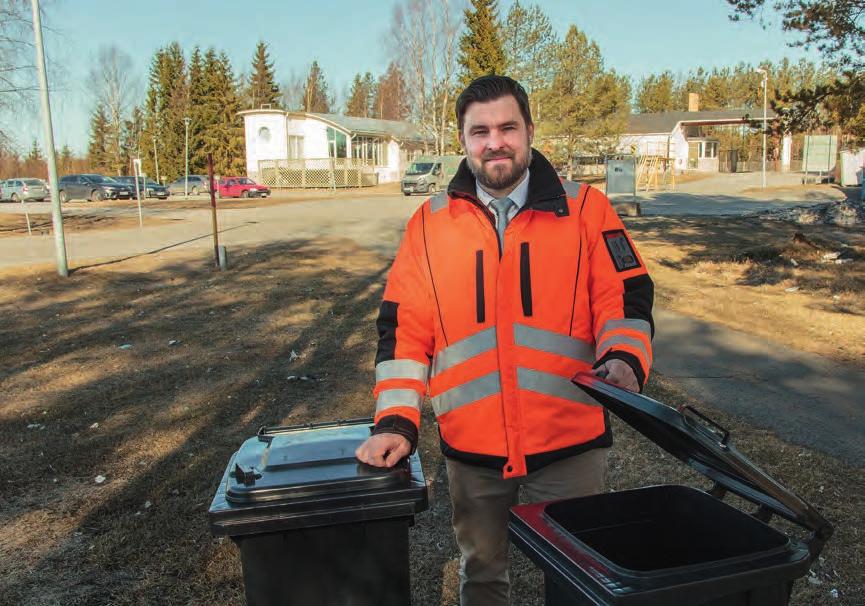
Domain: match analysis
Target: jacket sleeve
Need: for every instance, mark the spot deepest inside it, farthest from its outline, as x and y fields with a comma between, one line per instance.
x=405, y=338
x=620, y=290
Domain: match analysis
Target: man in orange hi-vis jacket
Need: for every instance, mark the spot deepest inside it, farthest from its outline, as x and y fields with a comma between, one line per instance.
x=504, y=288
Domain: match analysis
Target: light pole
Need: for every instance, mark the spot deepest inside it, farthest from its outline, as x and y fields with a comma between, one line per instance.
x=56, y=214
x=156, y=159
x=765, y=72
x=186, y=121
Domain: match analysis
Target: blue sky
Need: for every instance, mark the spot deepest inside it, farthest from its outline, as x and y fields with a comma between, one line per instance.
x=347, y=36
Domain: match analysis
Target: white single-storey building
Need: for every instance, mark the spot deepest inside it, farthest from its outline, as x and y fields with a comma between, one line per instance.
x=298, y=149
x=681, y=136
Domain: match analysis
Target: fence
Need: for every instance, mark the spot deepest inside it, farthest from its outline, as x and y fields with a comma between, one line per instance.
x=317, y=172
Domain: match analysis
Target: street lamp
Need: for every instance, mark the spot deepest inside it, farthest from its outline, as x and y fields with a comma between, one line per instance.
x=765, y=72
x=186, y=121
x=156, y=159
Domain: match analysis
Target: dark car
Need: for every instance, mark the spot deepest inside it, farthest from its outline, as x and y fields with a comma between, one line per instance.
x=150, y=189
x=198, y=184
x=92, y=187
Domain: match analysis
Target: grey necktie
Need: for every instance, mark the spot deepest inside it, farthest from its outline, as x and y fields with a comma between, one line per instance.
x=501, y=207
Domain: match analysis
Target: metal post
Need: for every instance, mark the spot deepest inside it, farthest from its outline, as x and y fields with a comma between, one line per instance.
x=213, y=209
x=27, y=216
x=765, y=81
x=186, y=154
x=156, y=160
x=765, y=73
x=56, y=213
x=136, y=170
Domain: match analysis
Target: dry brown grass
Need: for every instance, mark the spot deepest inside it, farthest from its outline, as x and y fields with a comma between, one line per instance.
x=170, y=416
x=757, y=276
x=40, y=223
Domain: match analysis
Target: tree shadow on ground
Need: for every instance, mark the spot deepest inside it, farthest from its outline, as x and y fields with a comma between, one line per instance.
x=209, y=359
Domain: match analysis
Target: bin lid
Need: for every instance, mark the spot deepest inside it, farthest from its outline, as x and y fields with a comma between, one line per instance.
x=313, y=460
x=704, y=445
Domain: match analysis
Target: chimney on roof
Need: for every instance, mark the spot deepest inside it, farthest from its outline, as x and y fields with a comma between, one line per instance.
x=693, y=102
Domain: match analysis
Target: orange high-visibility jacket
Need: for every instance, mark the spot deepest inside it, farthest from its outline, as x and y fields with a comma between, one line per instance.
x=493, y=338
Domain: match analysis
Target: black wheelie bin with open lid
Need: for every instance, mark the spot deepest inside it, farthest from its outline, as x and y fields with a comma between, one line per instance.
x=671, y=544
x=313, y=524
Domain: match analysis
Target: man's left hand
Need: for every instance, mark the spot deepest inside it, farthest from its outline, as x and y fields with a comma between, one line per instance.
x=618, y=373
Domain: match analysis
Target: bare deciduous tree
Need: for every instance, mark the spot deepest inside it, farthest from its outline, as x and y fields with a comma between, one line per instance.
x=111, y=83
x=17, y=62
x=292, y=91
x=424, y=42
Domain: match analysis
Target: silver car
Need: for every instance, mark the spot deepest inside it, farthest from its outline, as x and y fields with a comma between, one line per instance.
x=24, y=190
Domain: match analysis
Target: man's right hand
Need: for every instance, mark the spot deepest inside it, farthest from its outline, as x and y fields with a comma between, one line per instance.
x=383, y=450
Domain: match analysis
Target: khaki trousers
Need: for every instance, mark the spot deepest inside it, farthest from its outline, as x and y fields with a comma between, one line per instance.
x=481, y=499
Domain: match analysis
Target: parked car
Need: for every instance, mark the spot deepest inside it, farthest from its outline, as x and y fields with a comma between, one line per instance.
x=93, y=188
x=240, y=187
x=24, y=189
x=428, y=174
x=150, y=189
x=198, y=184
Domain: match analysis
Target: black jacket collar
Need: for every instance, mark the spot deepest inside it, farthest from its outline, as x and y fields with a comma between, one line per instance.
x=545, y=188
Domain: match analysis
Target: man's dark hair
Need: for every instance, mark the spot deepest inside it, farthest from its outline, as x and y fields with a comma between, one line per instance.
x=490, y=88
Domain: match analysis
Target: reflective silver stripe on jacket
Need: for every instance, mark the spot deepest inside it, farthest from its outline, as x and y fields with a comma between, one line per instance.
x=401, y=369
x=388, y=398
x=464, y=349
x=438, y=201
x=623, y=340
x=552, y=385
x=552, y=342
x=629, y=323
x=466, y=393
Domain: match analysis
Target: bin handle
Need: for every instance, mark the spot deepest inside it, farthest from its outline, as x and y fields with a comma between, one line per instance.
x=686, y=409
x=266, y=433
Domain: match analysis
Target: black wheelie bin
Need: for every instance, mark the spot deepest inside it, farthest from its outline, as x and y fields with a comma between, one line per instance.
x=671, y=544
x=313, y=524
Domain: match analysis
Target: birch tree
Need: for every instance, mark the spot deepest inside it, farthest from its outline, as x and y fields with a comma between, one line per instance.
x=424, y=44
x=113, y=87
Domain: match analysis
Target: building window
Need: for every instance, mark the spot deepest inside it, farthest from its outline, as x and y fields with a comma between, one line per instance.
x=708, y=149
x=370, y=149
x=336, y=143
x=264, y=134
x=295, y=147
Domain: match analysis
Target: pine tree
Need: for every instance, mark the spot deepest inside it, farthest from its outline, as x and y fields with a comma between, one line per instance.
x=587, y=107
x=528, y=40
x=656, y=93
x=481, y=50
x=228, y=137
x=262, y=83
x=131, y=139
x=208, y=117
x=201, y=109
x=65, y=159
x=391, y=97
x=361, y=96
x=716, y=92
x=35, y=154
x=165, y=109
x=315, y=96
x=97, y=154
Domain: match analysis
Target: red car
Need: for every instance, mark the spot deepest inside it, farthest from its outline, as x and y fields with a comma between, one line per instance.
x=240, y=187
